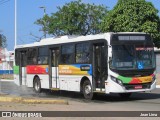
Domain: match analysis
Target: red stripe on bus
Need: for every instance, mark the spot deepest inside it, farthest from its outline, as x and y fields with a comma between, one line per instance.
x=37, y=69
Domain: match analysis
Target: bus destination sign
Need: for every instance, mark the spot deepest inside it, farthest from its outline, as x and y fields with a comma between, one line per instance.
x=133, y=38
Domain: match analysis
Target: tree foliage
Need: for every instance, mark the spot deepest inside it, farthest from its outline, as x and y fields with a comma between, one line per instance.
x=133, y=16
x=3, y=41
x=44, y=23
x=74, y=18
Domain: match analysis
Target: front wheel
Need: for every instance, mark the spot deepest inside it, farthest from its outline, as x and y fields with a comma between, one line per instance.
x=37, y=85
x=87, y=90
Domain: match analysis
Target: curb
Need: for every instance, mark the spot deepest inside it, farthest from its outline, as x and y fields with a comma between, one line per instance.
x=31, y=100
x=10, y=99
x=6, y=80
x=43, y=101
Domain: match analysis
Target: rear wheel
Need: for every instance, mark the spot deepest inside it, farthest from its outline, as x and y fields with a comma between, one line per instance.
x=87, y=90
x=125, y=95
x=37, y=85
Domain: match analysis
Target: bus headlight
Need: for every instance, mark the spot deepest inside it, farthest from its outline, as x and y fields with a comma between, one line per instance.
x=116, y=80
x=119, y=82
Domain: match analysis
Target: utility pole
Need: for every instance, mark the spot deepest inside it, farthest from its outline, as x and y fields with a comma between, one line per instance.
x=44, y=13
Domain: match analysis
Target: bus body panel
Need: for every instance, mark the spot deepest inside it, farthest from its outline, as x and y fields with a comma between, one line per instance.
x=37, y=69
x=114, y=87
x=44, y=79
x=71, y=83
x=70, y=76
x=16, y=75
x=75, y=69
x=30, y=78
x=16, y=79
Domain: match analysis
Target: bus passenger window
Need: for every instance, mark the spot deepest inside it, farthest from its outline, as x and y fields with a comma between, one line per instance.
x=82, y=53
x=67, y=55
x=32, y=56
x=43, y=55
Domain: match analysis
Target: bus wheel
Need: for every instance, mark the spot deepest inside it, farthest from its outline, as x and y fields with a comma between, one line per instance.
x=87, y=90
x=37, y=85
x=125, y=95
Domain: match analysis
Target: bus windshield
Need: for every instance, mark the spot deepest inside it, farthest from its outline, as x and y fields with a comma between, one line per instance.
x=132, y=57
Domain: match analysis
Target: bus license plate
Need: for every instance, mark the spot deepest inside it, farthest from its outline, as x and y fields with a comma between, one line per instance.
x=138, y=87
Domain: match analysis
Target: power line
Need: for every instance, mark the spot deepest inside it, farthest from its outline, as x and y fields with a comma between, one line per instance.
x=3, y=2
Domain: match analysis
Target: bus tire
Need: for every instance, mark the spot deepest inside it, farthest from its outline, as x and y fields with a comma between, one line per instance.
x=37, y=85
x=87, y=90
x=125, y=95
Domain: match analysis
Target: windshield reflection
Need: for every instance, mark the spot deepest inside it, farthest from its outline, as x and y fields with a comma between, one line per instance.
x=132, y=57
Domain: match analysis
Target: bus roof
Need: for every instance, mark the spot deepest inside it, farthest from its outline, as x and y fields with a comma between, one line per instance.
x=69, y=39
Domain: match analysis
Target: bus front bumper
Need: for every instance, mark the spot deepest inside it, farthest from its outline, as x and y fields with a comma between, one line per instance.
x=113, y=87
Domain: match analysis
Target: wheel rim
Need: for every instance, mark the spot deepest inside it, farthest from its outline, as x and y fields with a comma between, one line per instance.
x=37, y=86
x=87, y=89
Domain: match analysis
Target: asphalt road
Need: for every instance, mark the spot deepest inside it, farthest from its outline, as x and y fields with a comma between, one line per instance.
x=149, y=101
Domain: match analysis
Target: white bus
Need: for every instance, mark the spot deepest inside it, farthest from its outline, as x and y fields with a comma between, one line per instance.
x=106, y=63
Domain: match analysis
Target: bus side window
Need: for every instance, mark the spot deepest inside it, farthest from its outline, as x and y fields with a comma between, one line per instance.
x=82, y=53
x=67, y=55
x=32, y=56
x=43, y=55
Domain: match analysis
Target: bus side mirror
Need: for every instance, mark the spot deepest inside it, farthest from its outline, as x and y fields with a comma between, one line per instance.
x=110, y=62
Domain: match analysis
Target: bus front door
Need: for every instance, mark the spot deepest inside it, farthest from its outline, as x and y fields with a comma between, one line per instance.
x=99, y=65
x=22, y=68
x=53, y=75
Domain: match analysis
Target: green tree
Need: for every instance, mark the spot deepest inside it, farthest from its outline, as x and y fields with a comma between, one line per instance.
x=133, y=16
x=74, y=18
x=44, y=23
x=3, y=41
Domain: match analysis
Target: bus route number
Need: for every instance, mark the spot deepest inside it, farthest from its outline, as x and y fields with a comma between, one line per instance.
x=85, y=68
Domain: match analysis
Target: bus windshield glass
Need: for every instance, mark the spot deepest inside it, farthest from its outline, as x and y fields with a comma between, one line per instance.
x=132, y=57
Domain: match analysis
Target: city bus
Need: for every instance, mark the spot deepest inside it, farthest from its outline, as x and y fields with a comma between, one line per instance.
x=122, y=62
